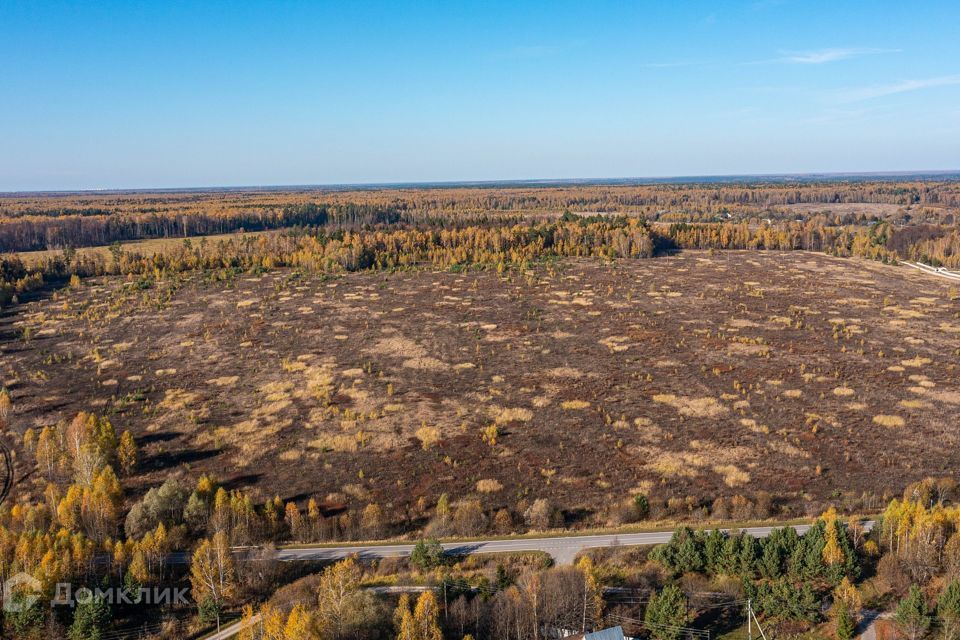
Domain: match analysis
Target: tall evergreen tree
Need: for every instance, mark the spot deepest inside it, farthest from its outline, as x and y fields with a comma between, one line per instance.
x=666, y=613
x=90, y=620
x=912, y=615
x=948, y=610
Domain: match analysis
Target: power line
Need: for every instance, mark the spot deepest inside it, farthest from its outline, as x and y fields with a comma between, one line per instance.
x=651, y=626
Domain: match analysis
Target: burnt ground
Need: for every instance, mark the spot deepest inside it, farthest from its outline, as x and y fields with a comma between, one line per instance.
x=803, y=375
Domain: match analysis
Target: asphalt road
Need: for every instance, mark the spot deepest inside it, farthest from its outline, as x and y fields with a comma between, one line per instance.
x=942, y=273
x=231, y=630
x=562, y=549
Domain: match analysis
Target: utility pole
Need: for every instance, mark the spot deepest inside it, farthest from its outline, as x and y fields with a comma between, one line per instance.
x=751, y=614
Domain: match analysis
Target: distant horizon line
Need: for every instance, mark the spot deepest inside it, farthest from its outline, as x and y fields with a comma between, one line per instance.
x=732, y=178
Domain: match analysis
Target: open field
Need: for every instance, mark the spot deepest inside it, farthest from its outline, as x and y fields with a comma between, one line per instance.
x=143, y=247
x=809, y=377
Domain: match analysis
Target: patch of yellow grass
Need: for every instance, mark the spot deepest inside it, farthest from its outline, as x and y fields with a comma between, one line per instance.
x=564, y=372
x=575, y=404
x=743, y=349
x=792, y=393
x=174, y=399
x=337, y=442
x=428, y=436
x=916, y=362
x=732, y=476
x=292, y=366
x=843, y=392
x=692, y=407
x=488, y=485
x=615, y=343
x=514, y=414
x=277, y=391
x=674, y=465
x=889, y=421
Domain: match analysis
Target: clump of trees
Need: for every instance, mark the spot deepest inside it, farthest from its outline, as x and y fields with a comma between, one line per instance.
x=785, y=574
x=60, y=537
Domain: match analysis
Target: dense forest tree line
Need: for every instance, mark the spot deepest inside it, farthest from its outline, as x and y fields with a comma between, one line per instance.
x=350, y=243
x=863, y=242
x=43, y=222
x=341, y=250
x=34, y=232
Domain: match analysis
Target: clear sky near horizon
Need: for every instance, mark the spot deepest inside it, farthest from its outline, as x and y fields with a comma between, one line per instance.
x=139, y=94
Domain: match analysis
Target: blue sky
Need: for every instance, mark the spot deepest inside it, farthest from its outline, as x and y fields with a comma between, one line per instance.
x=165, y=93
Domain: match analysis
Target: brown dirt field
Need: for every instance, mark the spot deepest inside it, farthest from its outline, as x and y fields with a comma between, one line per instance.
x=695, y=374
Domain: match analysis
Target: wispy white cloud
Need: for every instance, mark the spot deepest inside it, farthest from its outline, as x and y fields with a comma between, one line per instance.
x=879, y=91
x=822, y=56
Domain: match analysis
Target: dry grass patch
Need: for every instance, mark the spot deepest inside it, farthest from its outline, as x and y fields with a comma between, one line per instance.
x=277, y=391
x=428, y=436
x=564, y=372
x=515, y=414
x=425, y=364
x=889, y=421
x=176, y=399
x=948, y=397
x=339, y=442
x=677, y=465
x=743, y=349
x=489, y=485
x=692, y=407
x=843, y=392
x=732, y=476
x=616, y=343
x=575, y=404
